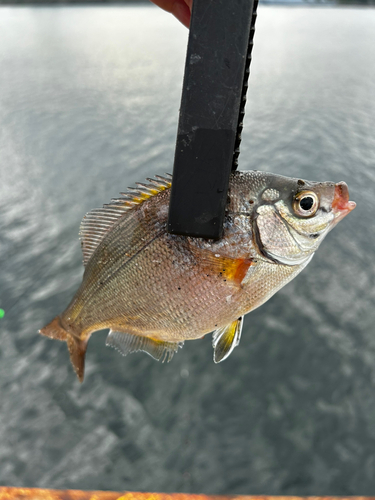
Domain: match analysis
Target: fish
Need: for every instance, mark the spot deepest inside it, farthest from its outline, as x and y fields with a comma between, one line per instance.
x=154, y=290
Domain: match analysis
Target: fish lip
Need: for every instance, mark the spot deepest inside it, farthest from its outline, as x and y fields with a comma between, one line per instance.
x=341, y=205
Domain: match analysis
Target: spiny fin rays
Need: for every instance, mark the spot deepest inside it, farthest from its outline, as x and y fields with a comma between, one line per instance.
x=98, y=222
x=127, y=343
x=225, y=339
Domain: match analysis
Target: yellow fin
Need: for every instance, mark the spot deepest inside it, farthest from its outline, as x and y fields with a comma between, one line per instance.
x=225, y=339
x=127, y=343
x=135, y=196
x=96, y=224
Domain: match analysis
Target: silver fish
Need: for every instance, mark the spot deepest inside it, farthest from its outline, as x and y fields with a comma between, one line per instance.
x=154, y=290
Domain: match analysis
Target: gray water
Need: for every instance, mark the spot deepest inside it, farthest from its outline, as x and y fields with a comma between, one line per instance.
x=89, y=100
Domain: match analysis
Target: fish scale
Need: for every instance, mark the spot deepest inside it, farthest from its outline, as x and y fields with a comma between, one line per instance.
x=155, y=290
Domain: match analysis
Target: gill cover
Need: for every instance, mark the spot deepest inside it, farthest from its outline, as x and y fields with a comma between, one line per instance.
x=275, y=240
x=289, y=234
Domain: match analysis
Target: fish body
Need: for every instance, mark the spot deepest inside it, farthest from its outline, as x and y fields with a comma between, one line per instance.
x=154, y=290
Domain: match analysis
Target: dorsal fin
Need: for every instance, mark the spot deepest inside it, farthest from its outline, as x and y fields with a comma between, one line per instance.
x=225, y=339
x=126, y=343
x=98, y=222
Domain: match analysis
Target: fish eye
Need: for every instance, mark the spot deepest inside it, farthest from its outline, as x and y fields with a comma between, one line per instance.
x=306, y=203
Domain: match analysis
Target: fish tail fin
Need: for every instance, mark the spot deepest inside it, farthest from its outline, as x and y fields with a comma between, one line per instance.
x=55, y=330
x=77, y=348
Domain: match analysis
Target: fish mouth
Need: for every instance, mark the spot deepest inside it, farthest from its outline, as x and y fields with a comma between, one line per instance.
x=341, y=205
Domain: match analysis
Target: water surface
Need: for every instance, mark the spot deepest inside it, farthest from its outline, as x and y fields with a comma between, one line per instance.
x=89, y=100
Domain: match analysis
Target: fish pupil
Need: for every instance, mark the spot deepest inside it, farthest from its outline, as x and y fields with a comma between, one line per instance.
x=306, y=203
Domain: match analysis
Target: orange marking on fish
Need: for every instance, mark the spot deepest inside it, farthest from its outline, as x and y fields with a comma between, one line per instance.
x=241, y=270
x=227, y=269
x=235, y=269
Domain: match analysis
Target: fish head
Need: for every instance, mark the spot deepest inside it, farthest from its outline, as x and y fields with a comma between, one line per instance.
x=291, y=217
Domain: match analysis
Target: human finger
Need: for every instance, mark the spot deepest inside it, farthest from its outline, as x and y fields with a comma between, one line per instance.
x=181, y=9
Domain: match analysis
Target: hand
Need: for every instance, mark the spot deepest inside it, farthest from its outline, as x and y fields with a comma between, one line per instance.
x=179, y=8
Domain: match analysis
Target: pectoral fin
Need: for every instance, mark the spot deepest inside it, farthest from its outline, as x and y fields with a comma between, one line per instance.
x=225, y=339
x=127, y=343
x=232, y=271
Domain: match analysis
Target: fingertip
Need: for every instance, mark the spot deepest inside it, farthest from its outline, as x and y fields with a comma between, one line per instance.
x=181, y=11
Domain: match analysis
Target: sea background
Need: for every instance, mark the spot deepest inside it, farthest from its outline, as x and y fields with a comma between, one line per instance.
x=89, y=99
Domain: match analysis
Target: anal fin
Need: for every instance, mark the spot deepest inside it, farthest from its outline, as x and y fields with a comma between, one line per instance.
x=127, y=343
x=225, y=339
